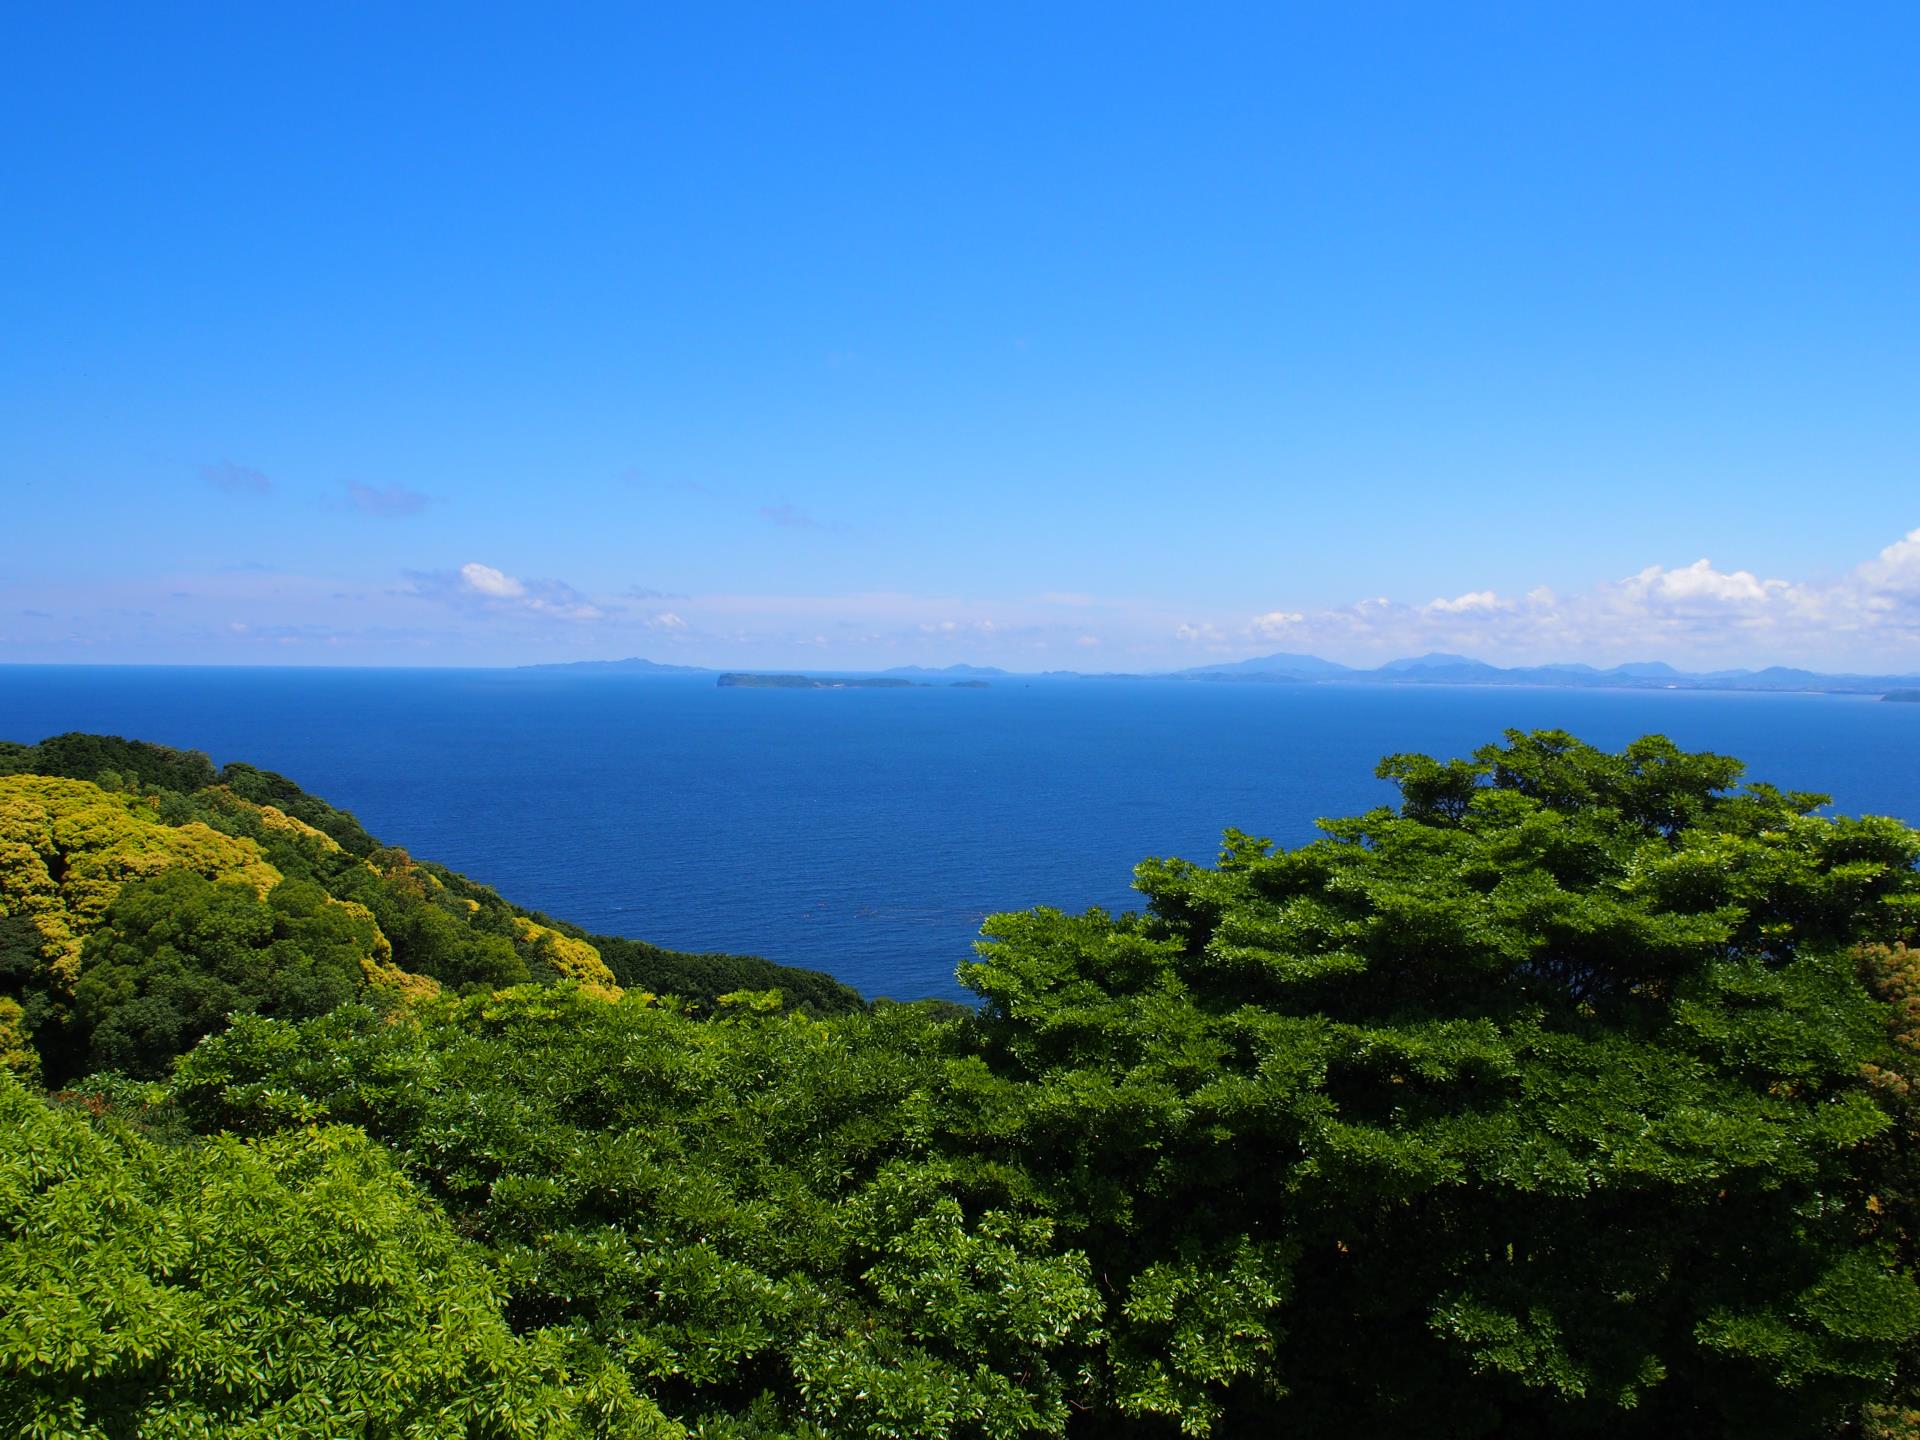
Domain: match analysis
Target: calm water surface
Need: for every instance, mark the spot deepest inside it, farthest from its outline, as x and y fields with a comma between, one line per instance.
x=868, y=832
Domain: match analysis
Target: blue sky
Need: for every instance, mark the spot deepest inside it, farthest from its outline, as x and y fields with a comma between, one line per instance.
x=1067, y=335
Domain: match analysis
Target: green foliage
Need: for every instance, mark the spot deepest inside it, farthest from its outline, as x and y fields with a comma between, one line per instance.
x=430, y=931
x=264, y=787
x=437, y=923
x=66, y=849
x=287, y=1288
x=700, y=979
x=1577, y=1094
x=748, y=1212
x=1548, y=1086
x=178, y=953
x=133, y=764
x=140, y=767
x=17, y=1054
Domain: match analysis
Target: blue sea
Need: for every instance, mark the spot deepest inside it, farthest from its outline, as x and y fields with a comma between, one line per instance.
x=868, y=832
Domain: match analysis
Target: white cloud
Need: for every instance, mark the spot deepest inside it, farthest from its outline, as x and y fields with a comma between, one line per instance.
x=1868, y=618
x=1278, y=622
x=484, y=590
x=1463, y=604
x=1895, y=571
x=1700, y=585
x=489, y=581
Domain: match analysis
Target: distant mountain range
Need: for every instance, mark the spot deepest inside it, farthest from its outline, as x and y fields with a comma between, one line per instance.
x=1284, y=666
x=1434, y=669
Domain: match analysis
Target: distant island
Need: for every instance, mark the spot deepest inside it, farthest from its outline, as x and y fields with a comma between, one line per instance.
x=1292, y=669
x=1903, y=697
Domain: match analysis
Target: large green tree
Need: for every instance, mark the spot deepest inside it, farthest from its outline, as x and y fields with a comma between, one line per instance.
x=1535, y=1105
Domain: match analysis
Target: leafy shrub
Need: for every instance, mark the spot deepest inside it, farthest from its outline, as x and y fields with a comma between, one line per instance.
x=289, y=1288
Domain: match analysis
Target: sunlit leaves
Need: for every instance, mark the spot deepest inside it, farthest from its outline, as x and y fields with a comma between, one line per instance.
x=292, y=1287
x=747, y=1210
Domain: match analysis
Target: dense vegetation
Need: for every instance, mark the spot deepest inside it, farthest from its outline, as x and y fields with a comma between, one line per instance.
x=147, y=896
x=1576, y=1094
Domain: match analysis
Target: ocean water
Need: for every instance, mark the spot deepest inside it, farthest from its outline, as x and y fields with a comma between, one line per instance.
x=869, y=832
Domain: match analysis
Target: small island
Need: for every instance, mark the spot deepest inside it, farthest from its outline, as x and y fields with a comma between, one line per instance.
x=1903, y=697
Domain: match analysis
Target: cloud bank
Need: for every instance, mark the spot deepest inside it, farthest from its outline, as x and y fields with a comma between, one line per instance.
x=1869, y=615
x=1698, y=614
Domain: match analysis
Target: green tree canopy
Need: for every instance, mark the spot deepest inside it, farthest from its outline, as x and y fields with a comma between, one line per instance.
x=1576, y=1094
x=1534, y=1105
x=752, y=1213
x=179, y=953
x=134, y=763
x=295, y=1288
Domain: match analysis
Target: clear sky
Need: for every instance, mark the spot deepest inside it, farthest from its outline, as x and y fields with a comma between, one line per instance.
x=1100, y=336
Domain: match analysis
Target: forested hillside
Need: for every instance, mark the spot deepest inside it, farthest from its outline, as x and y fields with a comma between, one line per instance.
x=148, y=896
x=1573, y=1095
